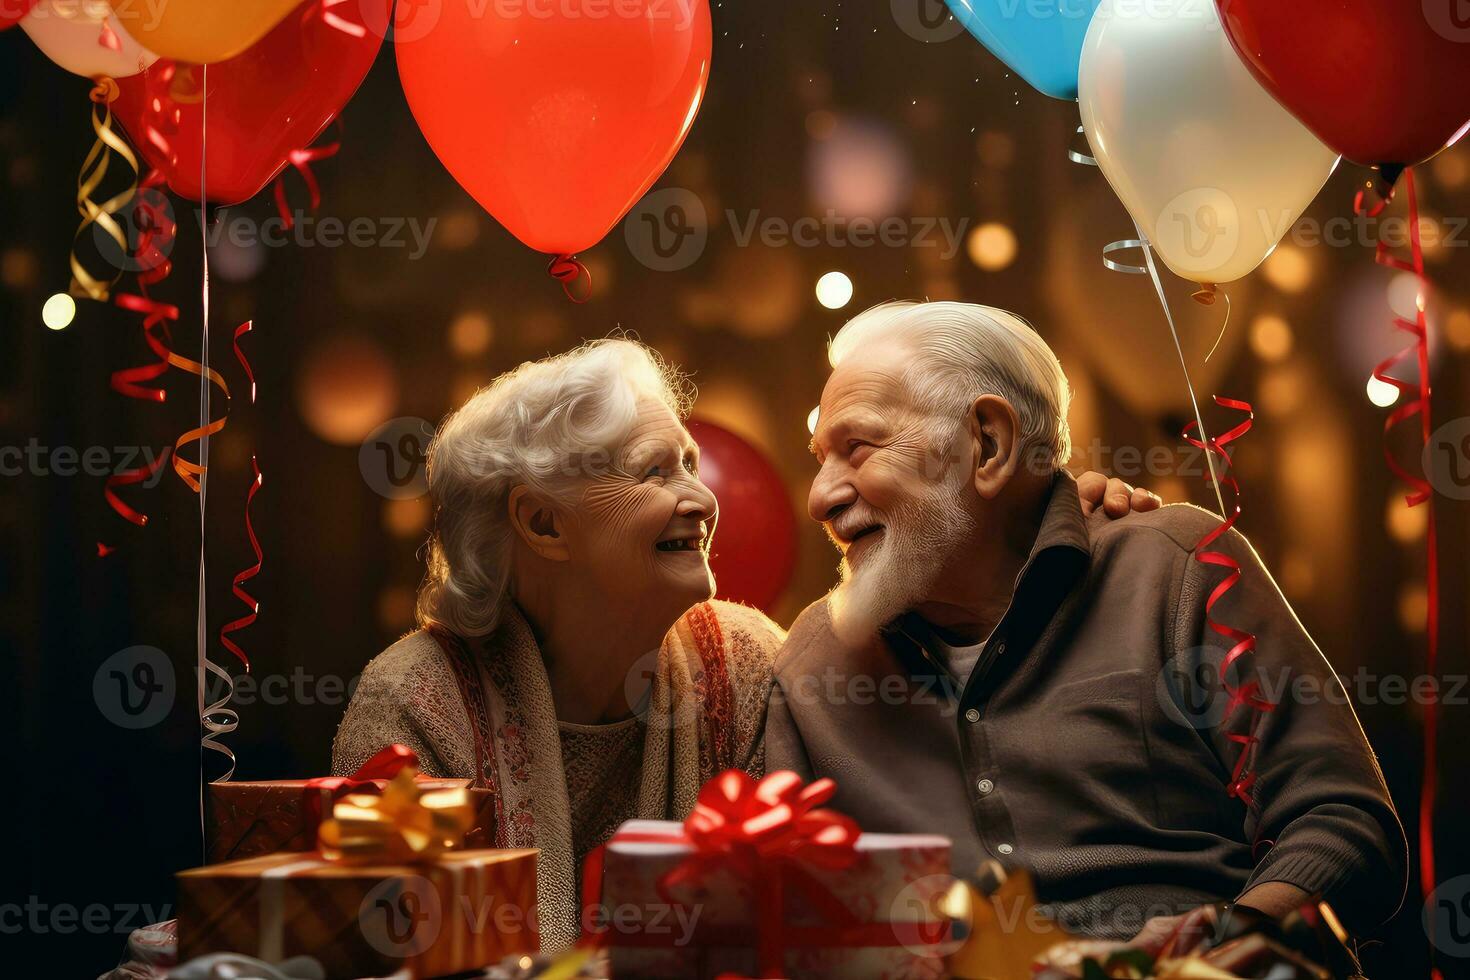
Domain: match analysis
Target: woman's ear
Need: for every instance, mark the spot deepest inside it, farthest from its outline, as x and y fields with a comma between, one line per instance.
x=995, y=436
x=538, y=524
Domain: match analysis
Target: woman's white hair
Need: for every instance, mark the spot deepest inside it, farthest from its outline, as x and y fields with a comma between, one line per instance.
x=548, y=425
x=964, y=350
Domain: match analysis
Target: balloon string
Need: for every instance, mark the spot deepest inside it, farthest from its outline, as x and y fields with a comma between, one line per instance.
x=89, y=178
x=302, y=160
x=1248, y=695
x=566, y=270
x=1421, y=493
x=1206, y=296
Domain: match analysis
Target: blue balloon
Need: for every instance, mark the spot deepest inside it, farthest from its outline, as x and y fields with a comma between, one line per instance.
x=1041, y=40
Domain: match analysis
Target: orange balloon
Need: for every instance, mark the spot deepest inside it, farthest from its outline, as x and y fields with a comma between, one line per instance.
x=201, y=31
x=555, y=116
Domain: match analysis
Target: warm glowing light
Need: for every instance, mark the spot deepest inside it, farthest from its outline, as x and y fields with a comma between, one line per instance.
x=1413, y=607
x=1288, y=269
x=346, y=387
x=1271, y=337
x=1405, y=524
x=471, y=333
x=407, y=518
x=820, y=124
x=811, y=420
x=1381, y=393
x=992, y=246
x=1457, y=329
x=59, y=311
x=1404, y=295
x=834, y=290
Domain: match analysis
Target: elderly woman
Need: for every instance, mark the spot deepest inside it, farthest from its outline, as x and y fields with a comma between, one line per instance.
x=571, y=657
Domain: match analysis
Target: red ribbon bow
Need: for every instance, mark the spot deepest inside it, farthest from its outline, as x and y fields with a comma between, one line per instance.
x=383, y=766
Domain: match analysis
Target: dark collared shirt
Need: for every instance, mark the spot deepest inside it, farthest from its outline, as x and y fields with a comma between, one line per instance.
x=1093, y=742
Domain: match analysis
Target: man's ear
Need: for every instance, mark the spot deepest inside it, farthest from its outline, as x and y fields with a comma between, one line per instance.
x=538, y=524
x=995, y=437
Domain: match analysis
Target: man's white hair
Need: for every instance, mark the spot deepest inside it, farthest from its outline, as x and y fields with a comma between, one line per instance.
x=548, y=425
x=963, y=351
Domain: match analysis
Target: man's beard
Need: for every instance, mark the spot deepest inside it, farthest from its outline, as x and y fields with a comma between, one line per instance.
x=900, y=569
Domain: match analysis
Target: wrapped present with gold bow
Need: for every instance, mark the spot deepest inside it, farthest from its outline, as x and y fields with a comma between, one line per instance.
x=761, y=881
x=248, y=819
x=389, y=889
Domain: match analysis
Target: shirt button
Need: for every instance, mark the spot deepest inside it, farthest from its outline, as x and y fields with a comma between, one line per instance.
x=985, y=786
x=1004, y=848
x=1000, y=648
x=973, y=715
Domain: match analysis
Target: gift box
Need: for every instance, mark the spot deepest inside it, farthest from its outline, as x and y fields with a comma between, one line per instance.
x=251, y=819
x=759, y=883
x=245, y=820
x=461, y=911
x=388, y=890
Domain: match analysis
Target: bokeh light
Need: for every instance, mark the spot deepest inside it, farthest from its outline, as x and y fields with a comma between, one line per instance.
x=811, y=420
x=1413, y=607
x=992, y=246
x=1271, y=337
x=471, y=333
x=834, y=290
x=59, y=311
x=860, y=170
x=346, y=387
x=1405, y=524
x=1289, y=269
x=1381, y=393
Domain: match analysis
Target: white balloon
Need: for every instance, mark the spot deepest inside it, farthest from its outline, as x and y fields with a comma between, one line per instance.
x=86, y=38
x=1208, y=163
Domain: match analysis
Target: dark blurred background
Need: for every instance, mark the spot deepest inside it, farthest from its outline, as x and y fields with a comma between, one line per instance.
x=814, y=109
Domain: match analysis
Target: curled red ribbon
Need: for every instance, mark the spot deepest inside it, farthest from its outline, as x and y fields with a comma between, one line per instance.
x=568, y=271
x=302, y=160
x=245, y=575
x=386, y=764
x=1417, y=403
x=1247, y=694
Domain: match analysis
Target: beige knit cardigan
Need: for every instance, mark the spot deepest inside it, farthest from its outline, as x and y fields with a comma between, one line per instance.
x=483, y=711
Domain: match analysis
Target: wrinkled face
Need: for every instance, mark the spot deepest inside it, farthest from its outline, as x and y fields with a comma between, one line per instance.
x=643, y=529
x=889, y=491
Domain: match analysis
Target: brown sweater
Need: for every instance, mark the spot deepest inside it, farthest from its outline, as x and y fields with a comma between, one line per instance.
x=1091, y=741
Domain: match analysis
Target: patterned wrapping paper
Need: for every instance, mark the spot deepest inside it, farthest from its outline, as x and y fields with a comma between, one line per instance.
x=251, y=819
x=897, y=879
x=461, y=911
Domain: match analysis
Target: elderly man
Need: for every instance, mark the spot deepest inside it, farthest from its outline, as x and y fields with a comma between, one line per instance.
x=1030, y=681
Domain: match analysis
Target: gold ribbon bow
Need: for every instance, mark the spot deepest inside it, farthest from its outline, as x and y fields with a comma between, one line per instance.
x=404, y=824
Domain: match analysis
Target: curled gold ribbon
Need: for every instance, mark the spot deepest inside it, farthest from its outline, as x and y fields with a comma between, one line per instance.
x=406, y=823
x=89, y=178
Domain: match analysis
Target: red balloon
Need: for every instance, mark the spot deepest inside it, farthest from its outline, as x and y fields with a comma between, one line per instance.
x=556, y=117
x=1383, y=82
x=11, y=11
x=755, y=541
x=274, y=98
